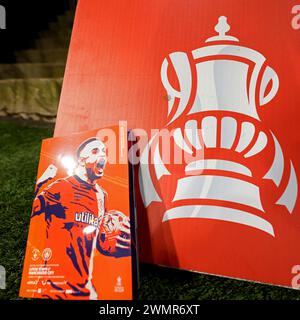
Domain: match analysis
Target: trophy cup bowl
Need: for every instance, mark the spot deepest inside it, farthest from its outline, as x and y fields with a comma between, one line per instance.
x=229, y=77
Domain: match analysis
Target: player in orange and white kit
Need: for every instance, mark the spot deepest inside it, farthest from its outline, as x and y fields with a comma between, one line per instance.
x=77, y=222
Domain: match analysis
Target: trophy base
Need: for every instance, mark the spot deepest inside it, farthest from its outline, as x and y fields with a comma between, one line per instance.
x=219, y=213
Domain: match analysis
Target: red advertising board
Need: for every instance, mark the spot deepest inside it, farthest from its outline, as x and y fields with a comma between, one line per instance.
x=222, y=77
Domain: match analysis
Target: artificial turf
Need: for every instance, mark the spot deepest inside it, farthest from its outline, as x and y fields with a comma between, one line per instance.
x=19, y=153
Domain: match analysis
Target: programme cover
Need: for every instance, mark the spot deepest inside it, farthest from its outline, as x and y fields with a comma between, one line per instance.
x=79, y=244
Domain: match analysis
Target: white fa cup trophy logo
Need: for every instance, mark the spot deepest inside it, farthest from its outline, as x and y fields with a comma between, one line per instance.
x=213, y=114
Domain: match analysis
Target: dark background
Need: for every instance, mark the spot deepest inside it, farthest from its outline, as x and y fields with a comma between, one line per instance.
x=24, y=19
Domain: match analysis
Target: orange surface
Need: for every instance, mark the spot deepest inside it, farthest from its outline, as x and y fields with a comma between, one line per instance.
x=113, y=73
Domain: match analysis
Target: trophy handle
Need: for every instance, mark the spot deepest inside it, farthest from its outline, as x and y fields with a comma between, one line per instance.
x=182, y=68
x=269, y=75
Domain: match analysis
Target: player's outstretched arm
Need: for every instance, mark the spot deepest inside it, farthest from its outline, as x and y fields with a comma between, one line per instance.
x=48, y=174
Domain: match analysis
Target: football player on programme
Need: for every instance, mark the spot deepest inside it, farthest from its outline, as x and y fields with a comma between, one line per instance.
x=78, y=223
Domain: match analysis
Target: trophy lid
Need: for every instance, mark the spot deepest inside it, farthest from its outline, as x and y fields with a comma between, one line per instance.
x=222, y=27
